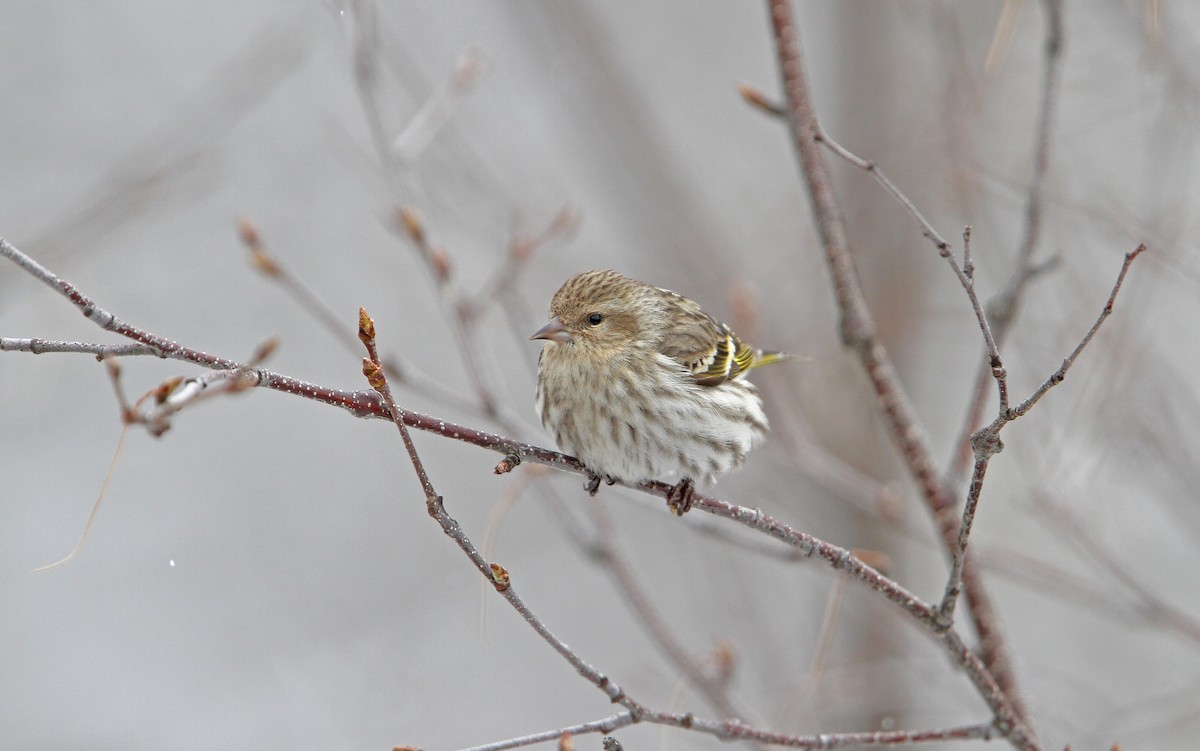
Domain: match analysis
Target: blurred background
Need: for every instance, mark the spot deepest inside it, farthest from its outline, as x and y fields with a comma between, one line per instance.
x=265, y=575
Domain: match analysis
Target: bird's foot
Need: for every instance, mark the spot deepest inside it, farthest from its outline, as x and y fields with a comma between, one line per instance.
x=593, y=482
x=679, y=497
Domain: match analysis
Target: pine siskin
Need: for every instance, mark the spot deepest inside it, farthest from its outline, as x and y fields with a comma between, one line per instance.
x=640, y=384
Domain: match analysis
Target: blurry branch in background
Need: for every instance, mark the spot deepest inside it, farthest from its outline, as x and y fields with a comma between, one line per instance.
x=438, y=109
x=397, y=152
x=1137, y=597
x=606, y=549
x=175, y=160
x=405, y=374
x=1002, y=35
x=521, y=249
x=396, y=155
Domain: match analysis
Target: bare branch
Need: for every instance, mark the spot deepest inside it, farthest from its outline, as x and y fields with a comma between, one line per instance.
x=378, y=403
x=1057, y=376
x=858, y=332
x=728, y=729
x=737, y=731
x=1003, y=308
x=986, y=442
x=402, y=372
x=101, y=351
x=606, y=725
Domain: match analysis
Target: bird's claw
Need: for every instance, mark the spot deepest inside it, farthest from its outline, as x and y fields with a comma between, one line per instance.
x=593, y=483
x=679, y=497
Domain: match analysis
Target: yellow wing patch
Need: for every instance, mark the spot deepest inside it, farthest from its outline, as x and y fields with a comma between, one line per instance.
x=731, y=359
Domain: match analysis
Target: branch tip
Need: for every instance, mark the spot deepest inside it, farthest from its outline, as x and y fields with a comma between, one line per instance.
x=366, y=327
x=755, y=97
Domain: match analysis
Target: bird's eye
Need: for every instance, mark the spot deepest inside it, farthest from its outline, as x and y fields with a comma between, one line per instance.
x=594, y=319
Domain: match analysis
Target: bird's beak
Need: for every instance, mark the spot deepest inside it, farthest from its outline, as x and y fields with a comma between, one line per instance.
x=554, y=331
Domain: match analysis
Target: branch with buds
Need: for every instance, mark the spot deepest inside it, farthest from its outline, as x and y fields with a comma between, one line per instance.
x=229, y=376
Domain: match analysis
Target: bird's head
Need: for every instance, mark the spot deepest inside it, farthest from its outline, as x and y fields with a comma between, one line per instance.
x=599, y=313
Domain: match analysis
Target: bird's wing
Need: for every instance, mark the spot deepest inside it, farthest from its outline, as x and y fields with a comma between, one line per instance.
x=707, y=348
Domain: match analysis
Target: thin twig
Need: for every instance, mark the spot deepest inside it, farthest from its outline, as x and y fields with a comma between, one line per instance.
x=411, y=378
x=986, y=441
x=958, y=560
x=964, y=273
x=737, y=731
x=101, y=351
x=1058, y=375
x=606, y=725
x=1002, y=309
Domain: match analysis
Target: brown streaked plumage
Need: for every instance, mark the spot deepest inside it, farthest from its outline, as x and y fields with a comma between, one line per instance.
x=641, y=384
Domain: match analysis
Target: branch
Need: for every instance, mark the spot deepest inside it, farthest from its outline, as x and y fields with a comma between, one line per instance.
x=606, y=725
x=741, y=732
x=859, y=333
x=101, y=351
x=403, y=372
x=986, y=441
x=1003, y=308
x=375, y=403
x=729, y=729
x=369, y=404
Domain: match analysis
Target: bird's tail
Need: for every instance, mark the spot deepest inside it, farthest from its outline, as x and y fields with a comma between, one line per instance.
x=766, y=357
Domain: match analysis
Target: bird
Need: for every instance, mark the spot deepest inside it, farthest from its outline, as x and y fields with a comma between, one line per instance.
x=640, y=384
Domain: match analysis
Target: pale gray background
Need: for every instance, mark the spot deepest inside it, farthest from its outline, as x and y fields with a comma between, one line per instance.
x=313, y=604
